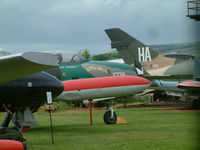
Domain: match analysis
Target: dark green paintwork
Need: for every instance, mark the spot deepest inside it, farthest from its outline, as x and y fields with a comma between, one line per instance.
x=112, y=65
x=92, y=69
x=73, y=71
x=129, y=48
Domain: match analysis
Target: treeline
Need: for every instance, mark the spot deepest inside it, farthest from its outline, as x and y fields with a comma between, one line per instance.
x=192, y=48
x=107, y=56
x=117, y=102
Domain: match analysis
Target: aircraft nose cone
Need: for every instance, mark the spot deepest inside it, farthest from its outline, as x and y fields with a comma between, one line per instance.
x=144, y=81
x=57, y=89
x=43, y=82
x=54, y=85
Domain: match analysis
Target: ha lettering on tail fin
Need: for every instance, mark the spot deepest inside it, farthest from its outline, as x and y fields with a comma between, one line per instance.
x=135, y=52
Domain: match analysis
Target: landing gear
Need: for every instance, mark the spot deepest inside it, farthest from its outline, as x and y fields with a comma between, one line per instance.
x=110, y=116
x=159, y=96
x=196, y=103
x=11, y=134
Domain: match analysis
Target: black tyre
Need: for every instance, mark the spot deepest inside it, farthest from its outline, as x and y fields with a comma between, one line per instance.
x=196, y=104
x=107, y=117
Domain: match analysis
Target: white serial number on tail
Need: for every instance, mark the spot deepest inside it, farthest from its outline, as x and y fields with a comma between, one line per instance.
x=144, y=54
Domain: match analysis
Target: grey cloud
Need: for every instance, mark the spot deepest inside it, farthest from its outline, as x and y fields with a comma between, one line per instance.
x=78, y=24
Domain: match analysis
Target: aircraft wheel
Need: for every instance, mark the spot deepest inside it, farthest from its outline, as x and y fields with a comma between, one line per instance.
x=107, y=117
x=196, y=103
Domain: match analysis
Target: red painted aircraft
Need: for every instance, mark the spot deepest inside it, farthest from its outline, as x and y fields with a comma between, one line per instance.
x=103, y=87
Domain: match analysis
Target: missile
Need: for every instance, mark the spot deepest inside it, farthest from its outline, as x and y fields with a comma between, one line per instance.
x=102, y=87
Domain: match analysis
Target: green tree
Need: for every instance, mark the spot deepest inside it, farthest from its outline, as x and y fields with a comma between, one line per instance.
x=107, y=56
x=86, y=54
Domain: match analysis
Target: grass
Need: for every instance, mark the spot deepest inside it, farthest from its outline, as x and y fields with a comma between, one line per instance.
x=147, y=129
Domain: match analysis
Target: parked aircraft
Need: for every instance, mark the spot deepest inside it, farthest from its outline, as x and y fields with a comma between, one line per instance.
x=133, y=52
x=103, y=87
x=74, y=67
x=167, y=73
x=22, y=88
x=29, y=92
x=193, y=86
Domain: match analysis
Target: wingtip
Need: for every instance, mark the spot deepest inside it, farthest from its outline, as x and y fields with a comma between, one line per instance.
x=42, y=58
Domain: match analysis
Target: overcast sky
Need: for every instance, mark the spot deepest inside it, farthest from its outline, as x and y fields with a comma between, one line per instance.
x=35, y=25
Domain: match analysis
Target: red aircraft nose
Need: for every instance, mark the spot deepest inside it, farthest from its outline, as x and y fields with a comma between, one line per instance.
x=11, y=145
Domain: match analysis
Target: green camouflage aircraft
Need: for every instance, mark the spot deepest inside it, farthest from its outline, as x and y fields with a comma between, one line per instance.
x=135, y=52
x=165, y=72
x=92, y=69
x=75, y=67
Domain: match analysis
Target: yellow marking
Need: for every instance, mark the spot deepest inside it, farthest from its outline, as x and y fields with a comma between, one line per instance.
x=64, y=73
x=96, y=68
x=121, y=120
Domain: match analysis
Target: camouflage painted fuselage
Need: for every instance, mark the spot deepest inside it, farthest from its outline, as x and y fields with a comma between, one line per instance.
x=93, y=69
x=165, y=72
x=140, y=55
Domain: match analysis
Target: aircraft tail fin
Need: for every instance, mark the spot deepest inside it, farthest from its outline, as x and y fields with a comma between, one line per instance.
x=136, y=53
x=129, y=48
x=196, y=70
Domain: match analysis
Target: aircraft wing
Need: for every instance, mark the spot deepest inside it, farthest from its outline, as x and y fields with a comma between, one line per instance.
x=190, y=85
x=20, y=65
x=163, y=77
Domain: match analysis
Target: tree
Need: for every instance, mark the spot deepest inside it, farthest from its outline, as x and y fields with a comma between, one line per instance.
x=86, y=54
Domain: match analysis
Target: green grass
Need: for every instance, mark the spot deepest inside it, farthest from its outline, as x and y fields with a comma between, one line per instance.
x=147, y=129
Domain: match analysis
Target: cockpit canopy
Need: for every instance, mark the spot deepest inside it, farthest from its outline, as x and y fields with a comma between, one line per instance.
x=68, y=57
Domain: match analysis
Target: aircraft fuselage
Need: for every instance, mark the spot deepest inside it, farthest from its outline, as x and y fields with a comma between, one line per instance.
x=29, y=91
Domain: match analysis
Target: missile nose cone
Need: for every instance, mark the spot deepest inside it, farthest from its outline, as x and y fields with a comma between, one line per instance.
x=11, y=145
